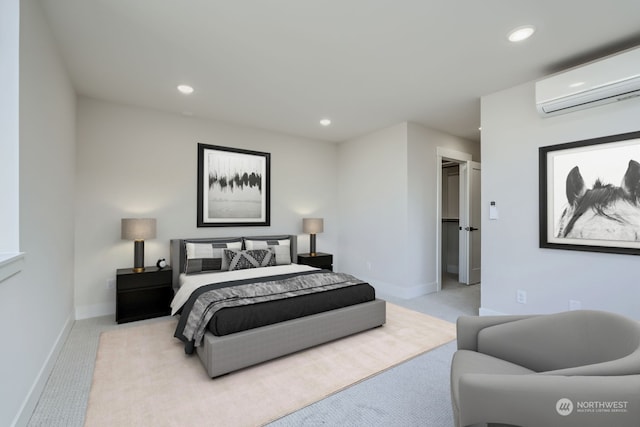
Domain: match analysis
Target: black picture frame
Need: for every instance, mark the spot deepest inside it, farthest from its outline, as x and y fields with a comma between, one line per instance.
x=233, y=187
x=589, y=192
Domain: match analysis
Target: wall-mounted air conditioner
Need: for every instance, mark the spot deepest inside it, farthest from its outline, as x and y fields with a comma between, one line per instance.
x=614, y=78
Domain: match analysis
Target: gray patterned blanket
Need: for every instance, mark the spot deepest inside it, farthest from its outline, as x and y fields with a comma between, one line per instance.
x=207, y=303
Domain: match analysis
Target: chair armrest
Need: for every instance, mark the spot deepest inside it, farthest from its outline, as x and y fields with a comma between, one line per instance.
x=468, y=328
x=532, y=400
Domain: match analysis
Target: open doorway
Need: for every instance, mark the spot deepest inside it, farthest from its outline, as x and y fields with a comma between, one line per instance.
x=458, y=219
x=450, y=247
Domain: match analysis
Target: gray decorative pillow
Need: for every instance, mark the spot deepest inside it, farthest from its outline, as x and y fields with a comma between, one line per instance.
x=240, y=260
x=207, y=257
x=281, y=248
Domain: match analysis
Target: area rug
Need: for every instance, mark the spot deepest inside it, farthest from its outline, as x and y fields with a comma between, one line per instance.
x=143, y=378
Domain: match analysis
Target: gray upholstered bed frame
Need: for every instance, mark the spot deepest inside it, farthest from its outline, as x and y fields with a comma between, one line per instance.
x=221, y=355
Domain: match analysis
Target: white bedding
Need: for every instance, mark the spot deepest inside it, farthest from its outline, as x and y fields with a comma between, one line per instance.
x=189, y=283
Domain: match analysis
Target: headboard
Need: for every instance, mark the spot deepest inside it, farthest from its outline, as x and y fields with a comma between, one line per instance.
x=178, y=256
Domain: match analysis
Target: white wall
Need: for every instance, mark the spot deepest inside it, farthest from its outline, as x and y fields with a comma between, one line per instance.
x=140, y=162
x=36, y=305
x=512, y=132
x=388, y=207
x=373, y=206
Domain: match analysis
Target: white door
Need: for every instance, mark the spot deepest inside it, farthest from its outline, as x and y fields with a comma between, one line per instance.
x=470, y=215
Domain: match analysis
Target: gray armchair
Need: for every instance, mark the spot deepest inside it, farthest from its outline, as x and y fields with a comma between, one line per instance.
x=577, y=368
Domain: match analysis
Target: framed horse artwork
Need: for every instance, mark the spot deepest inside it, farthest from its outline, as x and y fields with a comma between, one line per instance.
x=590, y=195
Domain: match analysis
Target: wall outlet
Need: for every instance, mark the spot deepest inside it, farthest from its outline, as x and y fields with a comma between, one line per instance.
x=369, y=266
x=521, y=296
x=111, y=283
x=575, y=304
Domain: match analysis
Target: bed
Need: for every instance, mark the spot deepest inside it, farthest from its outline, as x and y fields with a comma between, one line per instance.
x=222, y=349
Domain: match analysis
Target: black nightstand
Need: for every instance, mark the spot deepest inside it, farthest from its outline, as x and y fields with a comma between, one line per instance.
x=320, y=260
x=143, y=295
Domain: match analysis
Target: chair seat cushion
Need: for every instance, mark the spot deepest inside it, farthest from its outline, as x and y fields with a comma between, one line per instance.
x=471, y=362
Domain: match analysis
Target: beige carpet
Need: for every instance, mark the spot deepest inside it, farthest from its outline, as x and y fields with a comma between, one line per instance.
x=143, y=378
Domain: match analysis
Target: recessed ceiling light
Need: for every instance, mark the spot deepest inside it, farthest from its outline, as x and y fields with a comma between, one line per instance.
x=325, y=122
x=576, y=84
x=186, y=89
x=521, y=33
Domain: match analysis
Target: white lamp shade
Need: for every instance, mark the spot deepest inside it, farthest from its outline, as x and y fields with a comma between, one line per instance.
x=312, y=225
x=138, y=228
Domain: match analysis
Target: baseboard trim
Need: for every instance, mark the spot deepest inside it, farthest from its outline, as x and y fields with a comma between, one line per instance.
x=402, y=292
x=29, y=405
x=488, y=312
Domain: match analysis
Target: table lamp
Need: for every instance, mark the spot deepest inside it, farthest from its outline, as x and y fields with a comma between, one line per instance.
x=312, y=226
x=138, y=229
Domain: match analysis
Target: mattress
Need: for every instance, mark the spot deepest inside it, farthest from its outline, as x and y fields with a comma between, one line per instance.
x=236, y=319
x=230, y=320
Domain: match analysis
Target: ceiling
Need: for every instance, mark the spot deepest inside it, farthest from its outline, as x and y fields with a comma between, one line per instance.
x=283, y=65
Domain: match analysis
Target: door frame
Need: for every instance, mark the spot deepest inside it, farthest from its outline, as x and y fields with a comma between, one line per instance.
x=443, y=153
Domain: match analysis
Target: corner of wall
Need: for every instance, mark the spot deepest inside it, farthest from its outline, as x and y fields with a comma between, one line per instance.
x=95, y=310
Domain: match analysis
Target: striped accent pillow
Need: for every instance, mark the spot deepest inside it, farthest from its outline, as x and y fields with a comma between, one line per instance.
x=207, y=257
x=281, y=248
x=241, y=260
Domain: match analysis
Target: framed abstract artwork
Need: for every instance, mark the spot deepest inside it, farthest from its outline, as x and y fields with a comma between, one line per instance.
x=590, y=195
x=233, y=187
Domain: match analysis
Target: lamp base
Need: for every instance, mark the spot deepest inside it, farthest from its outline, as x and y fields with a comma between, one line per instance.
x=138, y=256
x=312, y=244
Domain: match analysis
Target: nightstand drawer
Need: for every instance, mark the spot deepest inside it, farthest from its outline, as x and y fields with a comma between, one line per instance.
x=143, y=304
x=143, y=295
x=150, y=278
x=320, y=260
